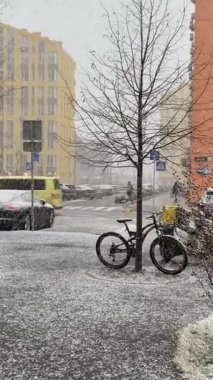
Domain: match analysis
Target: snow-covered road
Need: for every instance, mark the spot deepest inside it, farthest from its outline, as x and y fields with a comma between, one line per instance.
x=98, y=216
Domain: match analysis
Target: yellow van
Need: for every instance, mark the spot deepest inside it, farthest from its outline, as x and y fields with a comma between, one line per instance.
x=46, y=188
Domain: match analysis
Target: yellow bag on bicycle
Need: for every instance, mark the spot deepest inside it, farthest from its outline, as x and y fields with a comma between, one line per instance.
x=169, y=214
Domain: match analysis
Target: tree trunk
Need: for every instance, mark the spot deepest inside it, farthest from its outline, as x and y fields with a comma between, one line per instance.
x=138, y=256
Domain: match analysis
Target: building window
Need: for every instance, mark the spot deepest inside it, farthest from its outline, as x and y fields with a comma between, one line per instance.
x=52, y=65
x=10, y=100
x=24, y=43
x=41, y=51
x=52, y=72
x=41, y=100
x=23, y=161
x=51, y=164
x=52, y=131
x=1, y=135
x=1, y=163
x=24, y=66
x=52, y=106
x=10, y=72
x=52, y=58
x=10, y=55
x=24, y=101
x=1, y=53
x=41, y=71
x=1, y=100
x=33, y=71
x=9, y=134
x=52, y=92
x=41, y=58
x=52, y=101
x=33, y=100
x=9, y=163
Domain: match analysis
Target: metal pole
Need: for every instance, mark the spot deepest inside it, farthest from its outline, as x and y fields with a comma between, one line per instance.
x=154, y=170
x=32, y=185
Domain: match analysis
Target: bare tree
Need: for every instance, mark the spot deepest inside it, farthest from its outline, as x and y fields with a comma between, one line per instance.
x=140, y=72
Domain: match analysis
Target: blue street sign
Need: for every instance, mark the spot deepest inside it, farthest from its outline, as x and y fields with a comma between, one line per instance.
x=35, y=156
x=205, y=171
x=160, y=166
x=28, y=165
x=154, y=155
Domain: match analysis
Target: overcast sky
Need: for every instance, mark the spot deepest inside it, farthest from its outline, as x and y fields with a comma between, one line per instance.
x=77, y=23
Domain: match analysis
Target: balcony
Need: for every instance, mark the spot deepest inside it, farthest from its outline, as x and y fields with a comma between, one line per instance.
x=192, y=26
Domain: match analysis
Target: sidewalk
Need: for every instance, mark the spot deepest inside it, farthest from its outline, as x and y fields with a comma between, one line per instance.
x=66, y=316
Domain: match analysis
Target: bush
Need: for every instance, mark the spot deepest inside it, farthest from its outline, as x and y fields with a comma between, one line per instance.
x=200, y=239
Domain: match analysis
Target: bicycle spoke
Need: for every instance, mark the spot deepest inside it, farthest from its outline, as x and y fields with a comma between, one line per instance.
x=168, y=255
x=113, y=250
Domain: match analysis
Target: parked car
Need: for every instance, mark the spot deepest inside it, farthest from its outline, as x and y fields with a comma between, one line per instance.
x=147, y=189
x=46, y=188
x=86, y=191
x=121, y=196
x=15, y=211
x=105, y=189
x=68, y=192
x=157, y=188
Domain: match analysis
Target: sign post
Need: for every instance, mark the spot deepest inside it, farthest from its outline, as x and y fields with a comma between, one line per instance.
x=160, y=166
x=154, y=156
x=32, y=142
x=32, y=193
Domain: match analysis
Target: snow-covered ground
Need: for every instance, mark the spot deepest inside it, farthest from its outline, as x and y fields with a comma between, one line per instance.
x=195, y=350
x=65, y=316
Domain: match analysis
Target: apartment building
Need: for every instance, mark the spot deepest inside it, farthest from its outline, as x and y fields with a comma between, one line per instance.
x=200, y=72
x=173, y=116
x=35, y=73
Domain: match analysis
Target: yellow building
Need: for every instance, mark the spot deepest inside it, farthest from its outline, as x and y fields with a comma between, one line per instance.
x=173, y=116
x=35, y=73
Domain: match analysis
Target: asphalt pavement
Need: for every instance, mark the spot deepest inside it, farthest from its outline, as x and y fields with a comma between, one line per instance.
x=99, y=215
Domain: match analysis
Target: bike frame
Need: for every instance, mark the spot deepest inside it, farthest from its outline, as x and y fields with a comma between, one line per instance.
x=145, y=231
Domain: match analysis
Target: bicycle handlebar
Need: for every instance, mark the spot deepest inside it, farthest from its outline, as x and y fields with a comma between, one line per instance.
x=153, y=215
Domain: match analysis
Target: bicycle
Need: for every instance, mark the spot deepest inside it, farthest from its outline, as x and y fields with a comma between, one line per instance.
x=166, y=252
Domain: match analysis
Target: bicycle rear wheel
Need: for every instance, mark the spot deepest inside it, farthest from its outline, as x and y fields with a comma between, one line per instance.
x=113, y=250
x=168, y=254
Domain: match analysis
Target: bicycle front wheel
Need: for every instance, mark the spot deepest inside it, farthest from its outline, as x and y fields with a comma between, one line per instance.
x=168, y=254
x=113, y=250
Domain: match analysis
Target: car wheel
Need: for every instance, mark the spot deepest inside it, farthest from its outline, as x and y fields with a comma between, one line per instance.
x=27, y=223
x=51, y=219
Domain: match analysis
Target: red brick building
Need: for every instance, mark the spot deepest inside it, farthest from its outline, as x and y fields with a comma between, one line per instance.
x=201, y=118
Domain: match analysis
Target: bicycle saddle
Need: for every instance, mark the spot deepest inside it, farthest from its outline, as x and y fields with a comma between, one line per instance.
x=123, y=220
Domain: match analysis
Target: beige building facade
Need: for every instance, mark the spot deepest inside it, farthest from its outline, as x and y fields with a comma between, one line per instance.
x=35, y=75
x=173, y=116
